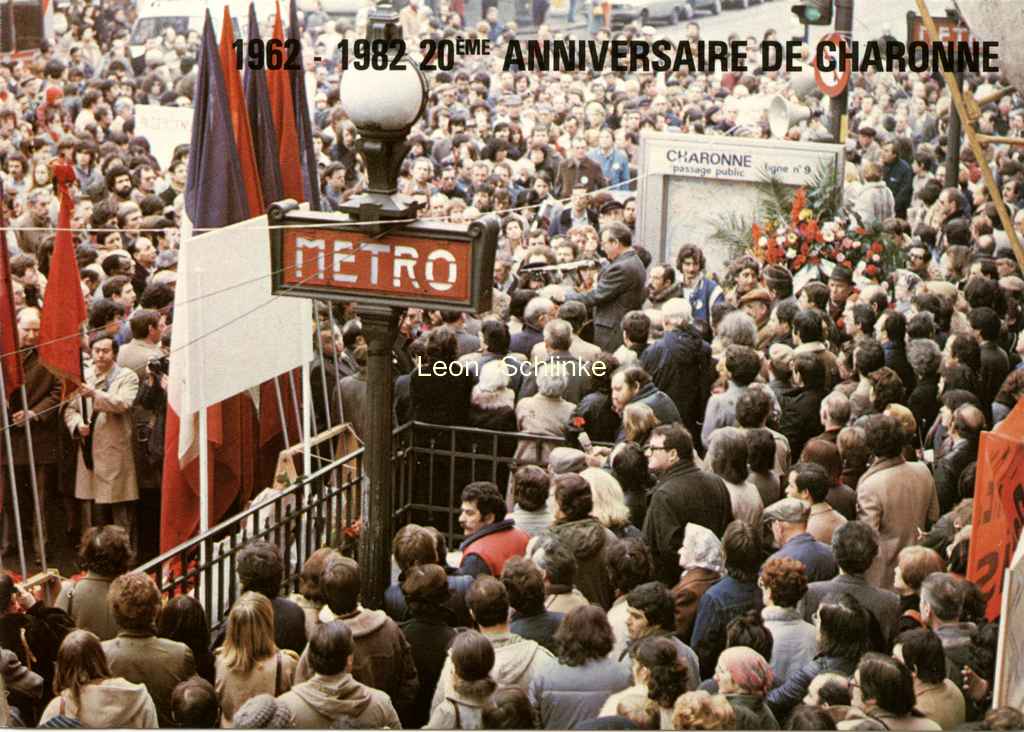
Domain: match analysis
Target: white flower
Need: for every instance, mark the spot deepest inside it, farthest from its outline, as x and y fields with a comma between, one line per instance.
x=840, y=258
x=791, y=253
x=763, y=241
x=828, y=235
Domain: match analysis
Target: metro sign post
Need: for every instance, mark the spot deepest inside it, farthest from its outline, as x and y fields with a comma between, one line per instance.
x=377, y=255
x=382, y=270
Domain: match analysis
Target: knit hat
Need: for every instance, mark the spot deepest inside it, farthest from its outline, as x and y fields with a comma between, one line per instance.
x=263, y=712
x=776, y=276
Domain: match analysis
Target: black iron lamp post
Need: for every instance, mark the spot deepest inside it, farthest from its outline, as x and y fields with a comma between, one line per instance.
x=383, y=105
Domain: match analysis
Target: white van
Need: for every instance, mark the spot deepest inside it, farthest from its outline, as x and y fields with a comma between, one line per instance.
x=183, y=16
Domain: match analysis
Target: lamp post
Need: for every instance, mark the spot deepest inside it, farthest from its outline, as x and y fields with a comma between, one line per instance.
x=383, y=105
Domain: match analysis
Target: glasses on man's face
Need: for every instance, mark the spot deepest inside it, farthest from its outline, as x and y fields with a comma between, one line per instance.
x=918, y=257
x=651, y=449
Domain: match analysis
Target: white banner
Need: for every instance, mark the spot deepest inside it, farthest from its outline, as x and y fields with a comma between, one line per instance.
x=230, y=333
x=165, y=128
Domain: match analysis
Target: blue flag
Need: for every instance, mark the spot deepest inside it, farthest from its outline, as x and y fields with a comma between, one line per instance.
x=214, y=191
x=264, y=136
x=310, y=179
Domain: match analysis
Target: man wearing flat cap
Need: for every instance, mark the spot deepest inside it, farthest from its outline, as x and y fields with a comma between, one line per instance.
x=758, y=305
x=787, y=521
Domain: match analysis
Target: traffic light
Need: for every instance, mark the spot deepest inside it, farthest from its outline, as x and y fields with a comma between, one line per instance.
x=814, y=12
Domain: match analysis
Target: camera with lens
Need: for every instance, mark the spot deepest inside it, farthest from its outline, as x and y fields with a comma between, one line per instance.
x=159, y=366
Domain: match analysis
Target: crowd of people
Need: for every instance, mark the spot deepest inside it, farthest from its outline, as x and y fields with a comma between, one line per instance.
x=734, y=500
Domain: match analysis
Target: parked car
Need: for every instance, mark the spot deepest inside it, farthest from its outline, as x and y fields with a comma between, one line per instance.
x=669, y=11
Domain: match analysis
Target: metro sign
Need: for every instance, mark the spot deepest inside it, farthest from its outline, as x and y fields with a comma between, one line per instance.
x=419, y=265
x=951, y=30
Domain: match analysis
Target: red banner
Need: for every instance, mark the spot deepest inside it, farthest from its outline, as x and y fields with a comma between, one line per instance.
x=998, y=507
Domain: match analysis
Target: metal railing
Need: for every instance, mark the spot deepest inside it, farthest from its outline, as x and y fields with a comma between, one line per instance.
x=433, y=463
x=307, y=515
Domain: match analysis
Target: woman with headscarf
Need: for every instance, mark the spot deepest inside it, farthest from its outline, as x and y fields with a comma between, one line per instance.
x=700, y=556
x=745, y=677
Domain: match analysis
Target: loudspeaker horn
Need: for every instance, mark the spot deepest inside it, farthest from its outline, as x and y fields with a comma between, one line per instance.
x=783, y=114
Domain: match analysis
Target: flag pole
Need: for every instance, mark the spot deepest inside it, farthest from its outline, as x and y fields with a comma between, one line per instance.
x=281, y=413
x=6, y=424
x=295, y=404
x=33, y=479
x=204, y=443
x=307, y=418
x=323, y=376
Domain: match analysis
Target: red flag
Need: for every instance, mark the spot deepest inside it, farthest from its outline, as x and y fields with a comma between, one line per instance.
x=240, y=118
x=279, y=87
x=216, y=195
x=63, y=307
x=14, y=376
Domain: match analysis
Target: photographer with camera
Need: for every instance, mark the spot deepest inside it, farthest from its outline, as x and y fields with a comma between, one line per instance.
x=146, y=358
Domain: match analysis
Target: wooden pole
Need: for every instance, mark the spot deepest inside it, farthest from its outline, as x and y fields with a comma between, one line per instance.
x=972, y=137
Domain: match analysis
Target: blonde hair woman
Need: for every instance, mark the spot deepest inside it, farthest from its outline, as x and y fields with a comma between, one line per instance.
x=250, y=663
x=87, y=691
x=637, y=421
x=609, y=502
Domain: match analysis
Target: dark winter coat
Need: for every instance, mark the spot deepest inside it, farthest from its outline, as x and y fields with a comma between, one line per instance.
x=684, y=493
x=43, y=391
x=538, y=627
x=679, y=364
x=924, y=404
x=947, y=472
x=587, y=540
x=429, y=633
x=800, y=420
x=726, y=599
x=595, y=416
x=751, y=712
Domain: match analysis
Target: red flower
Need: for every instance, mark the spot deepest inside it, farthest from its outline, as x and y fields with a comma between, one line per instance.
x=579, y=421
x=799, y=203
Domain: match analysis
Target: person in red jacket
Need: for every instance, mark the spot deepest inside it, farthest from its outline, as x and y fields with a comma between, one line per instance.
x=491, y=539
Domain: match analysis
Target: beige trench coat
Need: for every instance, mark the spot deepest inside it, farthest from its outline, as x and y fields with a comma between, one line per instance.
x=896, y=498
x=112, y=479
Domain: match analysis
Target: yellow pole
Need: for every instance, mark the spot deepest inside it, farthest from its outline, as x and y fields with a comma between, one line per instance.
x=979, y=152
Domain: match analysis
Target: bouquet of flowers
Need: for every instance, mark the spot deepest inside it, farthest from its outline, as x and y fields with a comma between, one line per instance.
x=804, y=242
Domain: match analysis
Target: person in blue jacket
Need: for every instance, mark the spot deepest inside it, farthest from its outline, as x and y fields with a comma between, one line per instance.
x=702, y=292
